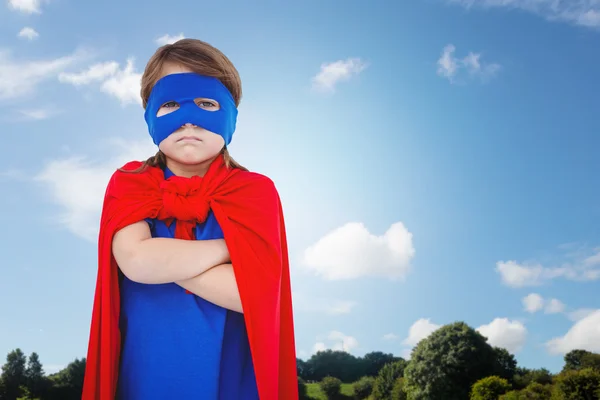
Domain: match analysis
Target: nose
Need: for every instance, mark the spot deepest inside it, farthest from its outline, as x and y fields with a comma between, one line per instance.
x=188, y=125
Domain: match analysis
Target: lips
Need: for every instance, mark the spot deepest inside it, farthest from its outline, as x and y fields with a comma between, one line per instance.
x=188, y=139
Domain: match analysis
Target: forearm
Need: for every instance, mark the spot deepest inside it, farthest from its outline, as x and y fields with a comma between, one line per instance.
x=166, y=260
x=217, y=285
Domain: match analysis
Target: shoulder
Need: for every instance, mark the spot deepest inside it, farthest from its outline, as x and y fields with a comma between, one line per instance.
x=130, y=166
x=255, y=179
x=132, y=173
x=253, y=183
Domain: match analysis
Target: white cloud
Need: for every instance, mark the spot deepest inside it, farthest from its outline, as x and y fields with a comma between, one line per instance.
x=325, y=305
x=554, y=306
x=25, y=6
x=592, y=260
x=581, y=12
x=580, y=314
x=77, y=184
x=38, y=113
x=450, y=67
x=124, y=84
x=342, y=342
x=19, y=79
x=584, y=335
x=168, y=39
x=337, y=341
x=351, y=252
x=96, y=72
x=447, y=64
x=319, y=346
x=28, y=33
x=518, y=275
x=335, y=72
x=390, y=336
x=420, y=330
x=502, y=332
x=533, y=302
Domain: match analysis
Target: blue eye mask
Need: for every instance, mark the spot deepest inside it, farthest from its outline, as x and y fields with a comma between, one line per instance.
x=183, y=89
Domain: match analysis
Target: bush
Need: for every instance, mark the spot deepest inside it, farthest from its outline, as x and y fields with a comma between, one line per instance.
x=386, y=379
x=363, y=387
x=331, y=387
x=489, y=388
x=535, y=391
x=512, y=395
x=398, y=392
x=525, y=377
x=577, y=384
x=302, y=389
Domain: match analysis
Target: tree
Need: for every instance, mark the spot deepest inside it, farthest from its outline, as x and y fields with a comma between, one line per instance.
x=448, y=362
x=34, y=375
x=537, y=391
x=374, y=361
x=489, y=388
x=398, y=392
x=302, y=368
x=591, y=360
x=524, y=377
x=574, y=359
x=67, y=384
x=386, y=379
x=302, y=389
x=339, y=364
x=507, y=364
x=331, y=387
x=363, y=387
x=13, y=374
x=583, y=384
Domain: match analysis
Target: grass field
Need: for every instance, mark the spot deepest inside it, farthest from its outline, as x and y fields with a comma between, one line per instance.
x=314, y=391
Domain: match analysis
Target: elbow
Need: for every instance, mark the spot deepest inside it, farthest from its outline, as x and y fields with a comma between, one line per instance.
x=237, y=307
x=132, y=266
x=138, y=272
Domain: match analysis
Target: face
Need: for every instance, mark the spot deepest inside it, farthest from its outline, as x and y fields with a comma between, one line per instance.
x=190, y=146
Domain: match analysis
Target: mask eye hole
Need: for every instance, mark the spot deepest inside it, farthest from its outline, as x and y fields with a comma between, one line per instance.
x=207, y=104
x=167, y=108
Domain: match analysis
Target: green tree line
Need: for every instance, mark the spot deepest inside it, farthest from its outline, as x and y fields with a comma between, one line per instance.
x=23, y=378
x=453, y=363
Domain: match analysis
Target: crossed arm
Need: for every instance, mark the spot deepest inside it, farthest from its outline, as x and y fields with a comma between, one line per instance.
x=201, y=266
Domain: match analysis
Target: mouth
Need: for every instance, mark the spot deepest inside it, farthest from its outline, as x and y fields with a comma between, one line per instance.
x=188, y=139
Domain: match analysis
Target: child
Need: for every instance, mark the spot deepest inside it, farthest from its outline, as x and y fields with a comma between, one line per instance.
x=193, y=296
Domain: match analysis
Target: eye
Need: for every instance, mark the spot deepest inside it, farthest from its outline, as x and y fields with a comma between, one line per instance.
x=207, y=104
x=170, y=104
x=167, y=108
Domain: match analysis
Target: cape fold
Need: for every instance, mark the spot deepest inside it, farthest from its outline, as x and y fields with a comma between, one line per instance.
x=248, y=210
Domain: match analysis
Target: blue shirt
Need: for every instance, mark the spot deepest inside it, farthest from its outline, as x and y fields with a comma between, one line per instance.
x=179, y=346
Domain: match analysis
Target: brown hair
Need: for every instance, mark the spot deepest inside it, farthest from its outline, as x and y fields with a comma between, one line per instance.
x=199, y=57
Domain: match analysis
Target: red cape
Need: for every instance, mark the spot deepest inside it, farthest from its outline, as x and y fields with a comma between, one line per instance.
x=248, y=209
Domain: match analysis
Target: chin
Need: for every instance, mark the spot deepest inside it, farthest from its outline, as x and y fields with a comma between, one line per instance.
x=193, y=159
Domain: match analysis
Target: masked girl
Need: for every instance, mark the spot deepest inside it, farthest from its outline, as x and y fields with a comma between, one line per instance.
x=193, y=296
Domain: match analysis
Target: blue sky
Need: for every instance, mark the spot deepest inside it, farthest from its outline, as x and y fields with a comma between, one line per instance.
x=436, y=160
